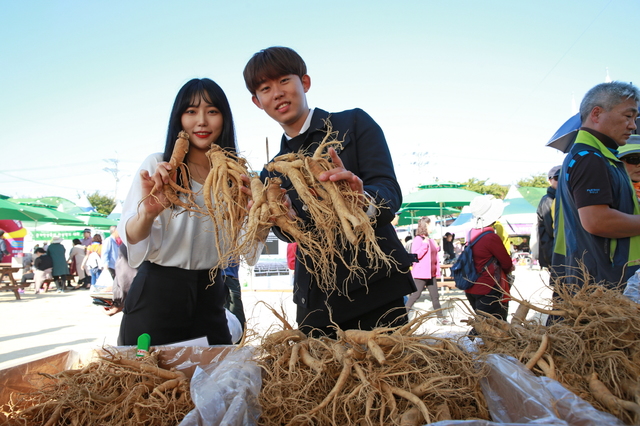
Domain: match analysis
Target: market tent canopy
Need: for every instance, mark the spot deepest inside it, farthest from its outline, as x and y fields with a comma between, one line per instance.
x=13, y=211
x=116, y=212
x=59, y=203
x=412, y=216
x=532, y=194
x=519, y=215
x=54, y=216
x=439, y=195
x=97, y=220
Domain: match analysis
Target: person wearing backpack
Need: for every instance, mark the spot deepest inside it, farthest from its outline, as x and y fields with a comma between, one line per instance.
x=490, y=292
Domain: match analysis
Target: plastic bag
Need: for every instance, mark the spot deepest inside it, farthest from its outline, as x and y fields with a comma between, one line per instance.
x=516, y=396
x=632, y=290
x=104, y=283
x=235, y=328
x=226, y=393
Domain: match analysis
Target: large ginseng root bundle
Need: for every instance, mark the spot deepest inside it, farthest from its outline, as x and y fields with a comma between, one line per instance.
x=226, y=205
x=224, y=201
x=593, y=350
x=384, y=376
x=113, y=391
x=338, y=223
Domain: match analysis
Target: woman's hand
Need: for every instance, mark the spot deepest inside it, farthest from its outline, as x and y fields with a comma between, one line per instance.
x=152, y=204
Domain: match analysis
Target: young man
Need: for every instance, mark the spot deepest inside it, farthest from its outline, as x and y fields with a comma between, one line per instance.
x=278, y=81
x=597, y=220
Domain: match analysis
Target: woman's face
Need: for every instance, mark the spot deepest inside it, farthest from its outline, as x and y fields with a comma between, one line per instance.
x=203, y=123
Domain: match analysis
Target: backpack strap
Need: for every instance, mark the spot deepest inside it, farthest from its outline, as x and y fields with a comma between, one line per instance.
x=471, y=244
x=475, y=241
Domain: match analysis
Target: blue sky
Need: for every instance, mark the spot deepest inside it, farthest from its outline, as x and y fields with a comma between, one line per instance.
x=462, y=89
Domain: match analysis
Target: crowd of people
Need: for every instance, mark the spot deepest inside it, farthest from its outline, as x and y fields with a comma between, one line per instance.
x=79, y=269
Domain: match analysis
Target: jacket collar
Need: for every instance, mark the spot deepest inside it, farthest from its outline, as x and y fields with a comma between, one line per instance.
x=587, y=138
x=301, y=141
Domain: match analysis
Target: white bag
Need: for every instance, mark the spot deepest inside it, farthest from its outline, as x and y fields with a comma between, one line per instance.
x=104, y=283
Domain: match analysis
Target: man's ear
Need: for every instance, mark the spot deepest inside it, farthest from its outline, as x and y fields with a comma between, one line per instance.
x=306, y=82
x=256, y=101
x=594, y=115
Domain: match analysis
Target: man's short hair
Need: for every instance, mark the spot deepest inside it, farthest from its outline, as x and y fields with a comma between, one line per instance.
x=39, y=250
x=607, y=96
x=270, y=64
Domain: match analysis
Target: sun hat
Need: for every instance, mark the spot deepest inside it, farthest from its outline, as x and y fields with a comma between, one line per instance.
x=632, y=146
x=554, y=172
x=56, y=240
x=485, y=210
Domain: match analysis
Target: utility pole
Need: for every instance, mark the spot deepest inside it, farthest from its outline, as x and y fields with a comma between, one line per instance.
x=115, y=172
x=420, y=159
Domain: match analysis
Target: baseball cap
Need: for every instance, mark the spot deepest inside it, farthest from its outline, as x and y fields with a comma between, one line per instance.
x=554, y=172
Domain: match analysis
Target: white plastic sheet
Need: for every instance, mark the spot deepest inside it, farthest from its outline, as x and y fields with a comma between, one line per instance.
x=226, y=393
x=516, y=397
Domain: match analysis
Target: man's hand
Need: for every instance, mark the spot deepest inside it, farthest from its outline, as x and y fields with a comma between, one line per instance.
x=339, y=173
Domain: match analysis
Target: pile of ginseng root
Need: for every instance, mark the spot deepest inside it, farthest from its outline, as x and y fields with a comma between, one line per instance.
x=380, y=377
x=593, y=349
x=114, y=390
x=338, y=217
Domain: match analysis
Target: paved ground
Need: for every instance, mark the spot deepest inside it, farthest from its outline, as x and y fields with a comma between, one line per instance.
x=42, y=325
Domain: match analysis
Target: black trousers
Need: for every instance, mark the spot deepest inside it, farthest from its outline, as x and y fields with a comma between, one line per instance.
x=490, y=303
x=392, y=314
x=174, y=304
x=234, y=298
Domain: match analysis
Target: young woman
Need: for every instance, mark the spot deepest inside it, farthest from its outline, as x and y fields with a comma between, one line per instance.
x=427, y=269
x=173, y=296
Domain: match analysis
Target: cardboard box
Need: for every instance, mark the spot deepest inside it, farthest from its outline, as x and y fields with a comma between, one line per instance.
x=25, y=377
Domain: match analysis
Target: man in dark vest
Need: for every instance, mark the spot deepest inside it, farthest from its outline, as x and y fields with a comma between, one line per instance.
x=597, y=220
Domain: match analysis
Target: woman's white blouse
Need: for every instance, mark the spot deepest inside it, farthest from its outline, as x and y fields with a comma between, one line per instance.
x=184, y=240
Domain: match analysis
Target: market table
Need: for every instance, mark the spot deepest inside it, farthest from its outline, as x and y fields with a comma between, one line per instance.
x=7, y=281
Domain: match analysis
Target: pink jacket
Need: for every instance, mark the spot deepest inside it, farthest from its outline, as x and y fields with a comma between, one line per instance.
x=427, y=251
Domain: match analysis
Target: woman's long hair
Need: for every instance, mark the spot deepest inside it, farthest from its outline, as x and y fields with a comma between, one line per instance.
x=191, y=95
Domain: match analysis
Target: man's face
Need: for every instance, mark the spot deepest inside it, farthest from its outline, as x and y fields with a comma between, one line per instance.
x=632, y=164
x=284, y=100
x=553, y=182
x=617, y=123
x=87, y=234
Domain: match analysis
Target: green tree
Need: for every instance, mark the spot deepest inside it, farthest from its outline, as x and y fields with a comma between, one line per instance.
x=102, y=203
x=537, y=181
x=481, y=187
